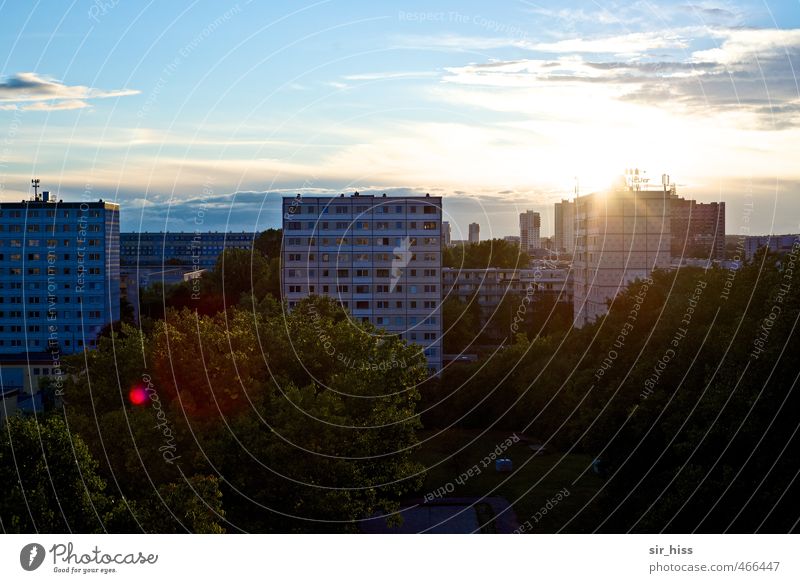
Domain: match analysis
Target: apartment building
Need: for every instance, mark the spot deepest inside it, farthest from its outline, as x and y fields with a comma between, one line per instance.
x=59, y=274
x=474, y=233
x=698, y=229
x=530, y=224
x=564, y=233
x=780, y=244
x=380, y=257
x=621, y=235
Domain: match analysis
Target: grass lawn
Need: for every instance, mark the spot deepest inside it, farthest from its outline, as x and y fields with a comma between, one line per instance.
x=544, y=474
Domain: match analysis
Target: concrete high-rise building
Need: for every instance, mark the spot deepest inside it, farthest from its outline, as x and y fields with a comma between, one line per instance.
x=530, y=224
x=381, y=258
x=59, y=274
x=446, y=233
x=564, y=232
x=474, y=233
x=621, y=235
x=698, y=229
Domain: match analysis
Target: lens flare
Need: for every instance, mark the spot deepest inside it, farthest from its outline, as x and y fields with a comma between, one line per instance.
x=137, y=396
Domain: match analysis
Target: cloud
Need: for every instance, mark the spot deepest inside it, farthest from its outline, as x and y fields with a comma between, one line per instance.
x=632, y=43
x=749, y=73
x=389, y=75
x=33, y=92
x=625, y=44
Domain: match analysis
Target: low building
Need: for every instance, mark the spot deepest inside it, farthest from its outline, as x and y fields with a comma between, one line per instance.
x=490, y=286
x=775, y=243
x=166, y=257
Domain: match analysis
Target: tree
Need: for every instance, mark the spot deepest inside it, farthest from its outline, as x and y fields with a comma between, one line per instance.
x=461, y=323
x=269, y=243
x=491, y=253
x=49, y=480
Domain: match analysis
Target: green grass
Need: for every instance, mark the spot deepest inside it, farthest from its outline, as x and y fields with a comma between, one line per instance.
x=543, y=474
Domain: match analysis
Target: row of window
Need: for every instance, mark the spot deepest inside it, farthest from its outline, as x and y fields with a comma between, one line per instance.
x=51, y=243
x=45, y=271
x=47, y=228
x=18, y=214
x=364, y=289
x=35, y=343
x=359, y=257
x=42, y=257
x=340, y=209
x=16, y=314
x=380, y=272
x=41, y=285
x=172, y=251
x=39, y=300
x=65, y=327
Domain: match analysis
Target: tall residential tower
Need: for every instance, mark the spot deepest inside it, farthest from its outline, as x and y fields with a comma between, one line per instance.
x=381, y=258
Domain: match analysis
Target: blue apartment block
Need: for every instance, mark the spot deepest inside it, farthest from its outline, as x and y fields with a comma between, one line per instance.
x=59, y=274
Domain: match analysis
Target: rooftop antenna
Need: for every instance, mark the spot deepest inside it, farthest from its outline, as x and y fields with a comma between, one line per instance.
x=35, y=184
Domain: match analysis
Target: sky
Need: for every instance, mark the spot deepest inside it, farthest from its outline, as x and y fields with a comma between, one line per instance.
x=201, y=115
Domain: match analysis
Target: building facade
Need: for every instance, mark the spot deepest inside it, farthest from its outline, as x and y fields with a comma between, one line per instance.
x=564, y=232
x=530, y=224
x=698, y=229
x=489, y=286
x=474, y=233
x=59, y=274
x=379, y=257
x=621, y=235
x=775, y=243
x=446, y=233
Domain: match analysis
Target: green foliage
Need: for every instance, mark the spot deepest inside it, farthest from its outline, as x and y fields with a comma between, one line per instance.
x=491, y=253
x=687, y=441
x=49, y=479
x=268, y=243
x=308, y=418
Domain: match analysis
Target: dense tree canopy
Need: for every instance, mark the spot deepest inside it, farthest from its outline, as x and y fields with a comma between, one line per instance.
x=685, y=390
x=250, y=419
x=491, y=253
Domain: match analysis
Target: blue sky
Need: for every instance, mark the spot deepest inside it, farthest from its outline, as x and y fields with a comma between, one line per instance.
x=203, y=113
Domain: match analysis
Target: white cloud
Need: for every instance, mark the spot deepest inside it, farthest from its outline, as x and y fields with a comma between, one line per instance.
x=742, y=46
x=632, y=43
x=46, y=94
x=389, y=75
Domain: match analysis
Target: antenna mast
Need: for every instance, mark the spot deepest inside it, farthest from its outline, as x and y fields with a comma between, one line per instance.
x=35, y=184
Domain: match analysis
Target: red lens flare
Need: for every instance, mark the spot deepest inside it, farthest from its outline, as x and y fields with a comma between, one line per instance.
x=137, y=396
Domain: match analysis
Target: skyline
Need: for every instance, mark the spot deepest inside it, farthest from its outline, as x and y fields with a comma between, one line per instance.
x=498, y=111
